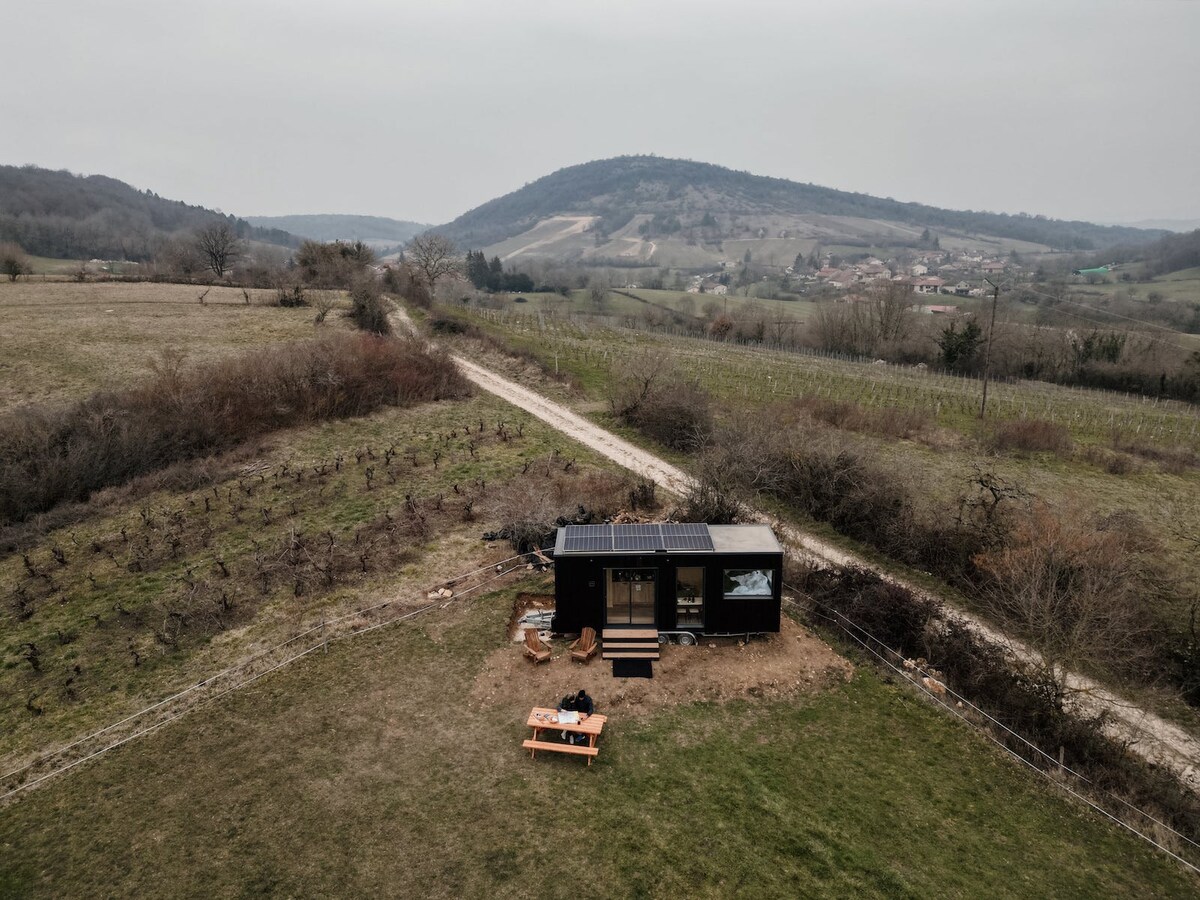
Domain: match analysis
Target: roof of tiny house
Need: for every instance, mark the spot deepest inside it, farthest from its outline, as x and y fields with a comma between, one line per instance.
x=690, y=538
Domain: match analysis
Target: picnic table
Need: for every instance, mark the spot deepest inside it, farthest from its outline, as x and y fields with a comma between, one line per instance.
x=543, y=719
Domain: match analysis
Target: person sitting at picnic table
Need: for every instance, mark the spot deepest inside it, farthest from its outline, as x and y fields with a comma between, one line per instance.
x=579, y=702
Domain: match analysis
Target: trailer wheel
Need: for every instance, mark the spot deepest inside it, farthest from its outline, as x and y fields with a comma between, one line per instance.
x=687, y=639
x=664, y=638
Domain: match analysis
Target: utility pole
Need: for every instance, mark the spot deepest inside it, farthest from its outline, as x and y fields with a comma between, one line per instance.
x=987, y=353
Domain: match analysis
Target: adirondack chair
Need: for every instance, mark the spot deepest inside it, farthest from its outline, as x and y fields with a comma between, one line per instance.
x=584, y=648
x=534, y=648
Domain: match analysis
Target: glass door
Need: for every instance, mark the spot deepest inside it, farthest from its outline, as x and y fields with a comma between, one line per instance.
x=629, y=596
x=689, y=597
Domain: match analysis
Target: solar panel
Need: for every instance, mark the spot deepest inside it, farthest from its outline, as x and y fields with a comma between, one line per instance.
x=636, y=538
x=687, y=536
x=588, y=539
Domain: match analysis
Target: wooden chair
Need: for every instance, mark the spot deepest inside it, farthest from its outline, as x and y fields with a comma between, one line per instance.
x=584, y=648
x=534, y=648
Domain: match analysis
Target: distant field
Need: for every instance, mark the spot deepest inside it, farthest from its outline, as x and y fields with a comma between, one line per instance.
x=392, y=767
x=62, y=340
x=1181, y=286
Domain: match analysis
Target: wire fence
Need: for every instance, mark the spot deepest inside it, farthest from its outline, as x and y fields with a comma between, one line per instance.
x=1025, y=751
x=50, y=763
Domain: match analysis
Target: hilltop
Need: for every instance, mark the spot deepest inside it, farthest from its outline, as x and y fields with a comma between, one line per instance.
x=648, y=209
x=377, y=230
x=67, y=216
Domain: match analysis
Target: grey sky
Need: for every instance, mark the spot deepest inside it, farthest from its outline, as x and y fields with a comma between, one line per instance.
x=423, y=110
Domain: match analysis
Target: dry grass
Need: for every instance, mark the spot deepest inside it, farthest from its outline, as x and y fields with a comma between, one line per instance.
x=61, y=340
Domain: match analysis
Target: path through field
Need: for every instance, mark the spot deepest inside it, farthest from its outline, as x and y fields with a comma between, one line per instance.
x=1151, y=736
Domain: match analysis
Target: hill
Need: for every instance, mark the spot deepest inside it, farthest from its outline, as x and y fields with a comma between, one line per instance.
x=333, y=227
x=625, y=204
x=66, y=216
x=1170, y=253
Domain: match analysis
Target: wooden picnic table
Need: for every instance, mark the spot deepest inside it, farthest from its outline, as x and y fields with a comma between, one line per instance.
x=543, y=719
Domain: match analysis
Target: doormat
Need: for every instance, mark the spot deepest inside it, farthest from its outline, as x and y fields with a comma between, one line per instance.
x=632, y=668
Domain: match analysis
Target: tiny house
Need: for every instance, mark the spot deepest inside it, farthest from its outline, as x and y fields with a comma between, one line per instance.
x=689, y=579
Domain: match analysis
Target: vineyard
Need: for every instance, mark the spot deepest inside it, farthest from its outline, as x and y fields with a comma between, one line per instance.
x=759, y=373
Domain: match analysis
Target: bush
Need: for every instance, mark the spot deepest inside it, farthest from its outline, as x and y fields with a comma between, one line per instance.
x=1173, y=460
x=888, y=422
x=672, y=410
x=678, y=416
x=1032, y=436
x=48, y=456
x=369, y=308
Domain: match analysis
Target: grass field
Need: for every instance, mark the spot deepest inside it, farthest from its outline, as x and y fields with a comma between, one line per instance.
x=392, y=765
x=62, y=340
x=1181, y=286
x=383, y=769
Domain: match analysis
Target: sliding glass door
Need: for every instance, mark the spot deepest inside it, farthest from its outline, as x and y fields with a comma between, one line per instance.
x=629, y=596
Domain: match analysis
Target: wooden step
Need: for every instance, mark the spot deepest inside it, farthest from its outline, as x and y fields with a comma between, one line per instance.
x=627, y=634
x=630, y=654
x=629, y=645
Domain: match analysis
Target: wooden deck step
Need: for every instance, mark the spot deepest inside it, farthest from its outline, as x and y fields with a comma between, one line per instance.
x=629, y=643
x=630, y=634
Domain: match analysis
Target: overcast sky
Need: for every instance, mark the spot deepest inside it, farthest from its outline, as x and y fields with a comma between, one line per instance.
x=422, y=110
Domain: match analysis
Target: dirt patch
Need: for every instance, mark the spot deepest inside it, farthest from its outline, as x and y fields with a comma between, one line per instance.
x=718, y=669
x=528, y=603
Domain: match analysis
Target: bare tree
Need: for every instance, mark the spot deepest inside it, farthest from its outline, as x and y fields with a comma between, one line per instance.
x=13, y=261
x=434, y=256
x=598, y=292
x=219, y=245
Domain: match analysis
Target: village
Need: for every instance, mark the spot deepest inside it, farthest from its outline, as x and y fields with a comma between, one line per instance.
x=934, y=272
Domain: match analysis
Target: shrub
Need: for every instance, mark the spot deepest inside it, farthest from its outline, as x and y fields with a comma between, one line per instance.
x=48, y=456
x=530, y=510
x=888, y=421
x=1032, y=436
x=672, y=410
x=1173, y=460
x=369, y=308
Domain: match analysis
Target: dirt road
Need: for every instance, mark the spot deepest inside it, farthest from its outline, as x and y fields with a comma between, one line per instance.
x=1154, y=738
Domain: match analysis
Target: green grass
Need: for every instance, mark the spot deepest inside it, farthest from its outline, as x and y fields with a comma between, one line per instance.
x=369, y=772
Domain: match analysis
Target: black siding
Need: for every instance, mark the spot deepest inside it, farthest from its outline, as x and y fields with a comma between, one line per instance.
x=579, y=590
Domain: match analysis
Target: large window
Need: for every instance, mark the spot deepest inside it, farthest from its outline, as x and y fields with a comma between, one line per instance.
x=749, y=583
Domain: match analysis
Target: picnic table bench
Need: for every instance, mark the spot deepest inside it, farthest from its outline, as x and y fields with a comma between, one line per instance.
x=543, y=719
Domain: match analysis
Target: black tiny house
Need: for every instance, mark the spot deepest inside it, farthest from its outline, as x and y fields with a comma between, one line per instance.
x=700, y=579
